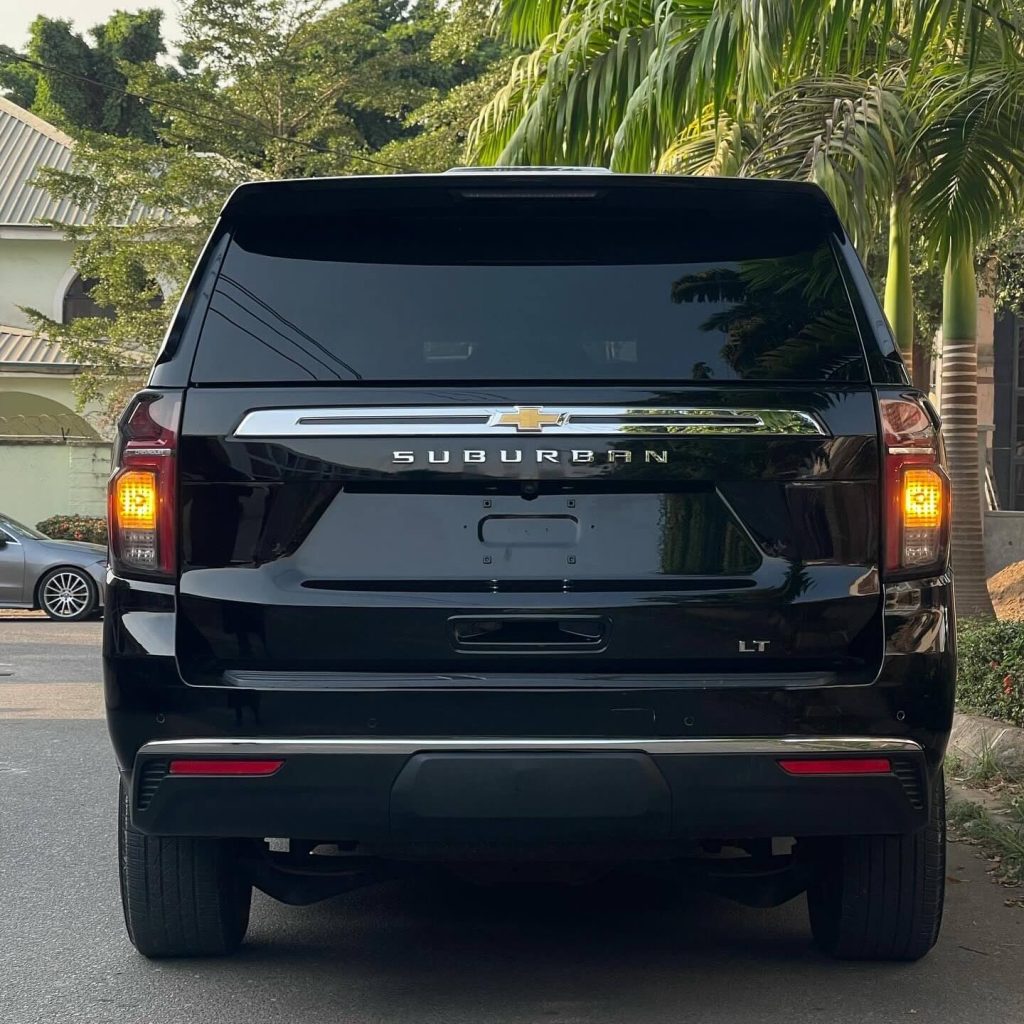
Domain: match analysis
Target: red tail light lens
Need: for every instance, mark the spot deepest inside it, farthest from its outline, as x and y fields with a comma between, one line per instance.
x=916, y=489
x=837, y=766
x=204, y=766
x=142, y=490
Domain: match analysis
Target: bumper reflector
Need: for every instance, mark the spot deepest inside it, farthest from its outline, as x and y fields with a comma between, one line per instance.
x=838, y=766
x=222, y=766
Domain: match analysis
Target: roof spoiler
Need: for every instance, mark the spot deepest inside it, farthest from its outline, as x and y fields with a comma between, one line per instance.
x=785, y=203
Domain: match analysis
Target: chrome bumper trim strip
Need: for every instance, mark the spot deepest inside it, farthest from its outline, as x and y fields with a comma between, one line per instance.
x=407, y=746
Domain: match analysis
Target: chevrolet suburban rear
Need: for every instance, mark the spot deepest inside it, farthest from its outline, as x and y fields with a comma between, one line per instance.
x=567, y=518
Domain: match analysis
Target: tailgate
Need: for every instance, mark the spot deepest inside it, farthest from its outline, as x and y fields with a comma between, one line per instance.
x=636, y=535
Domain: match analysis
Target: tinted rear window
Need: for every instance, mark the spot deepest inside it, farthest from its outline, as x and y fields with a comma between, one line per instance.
x=527, y=299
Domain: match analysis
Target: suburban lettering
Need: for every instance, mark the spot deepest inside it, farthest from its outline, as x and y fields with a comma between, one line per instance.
x=575, y=456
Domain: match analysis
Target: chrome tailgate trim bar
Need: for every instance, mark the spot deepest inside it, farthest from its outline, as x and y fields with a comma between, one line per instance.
x=516, y=420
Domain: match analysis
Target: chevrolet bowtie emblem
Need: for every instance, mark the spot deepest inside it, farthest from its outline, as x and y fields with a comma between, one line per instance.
x=529, y=419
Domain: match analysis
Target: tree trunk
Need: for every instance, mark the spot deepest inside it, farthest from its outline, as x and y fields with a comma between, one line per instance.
x=922, y=375
x=960, y=427
x=899, y=284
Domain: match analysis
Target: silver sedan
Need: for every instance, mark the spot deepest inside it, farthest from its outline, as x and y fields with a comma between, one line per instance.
x=65, y=578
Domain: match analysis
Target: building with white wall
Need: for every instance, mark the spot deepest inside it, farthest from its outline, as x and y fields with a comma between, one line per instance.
x=54, y=458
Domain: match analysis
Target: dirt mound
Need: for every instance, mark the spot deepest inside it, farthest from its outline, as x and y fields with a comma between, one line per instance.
x=1007, y=591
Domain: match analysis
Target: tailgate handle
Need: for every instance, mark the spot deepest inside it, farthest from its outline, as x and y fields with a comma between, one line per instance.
x=528, y=633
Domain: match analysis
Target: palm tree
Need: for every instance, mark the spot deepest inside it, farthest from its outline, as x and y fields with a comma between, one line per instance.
x=615, y=81
x=916, y=130
x=976, y=133
x=622, y=82
x=947, y=156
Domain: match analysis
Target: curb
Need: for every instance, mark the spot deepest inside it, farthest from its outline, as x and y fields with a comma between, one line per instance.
x=972, y=735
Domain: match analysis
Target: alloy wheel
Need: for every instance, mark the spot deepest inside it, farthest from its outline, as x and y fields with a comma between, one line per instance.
x=66, y=594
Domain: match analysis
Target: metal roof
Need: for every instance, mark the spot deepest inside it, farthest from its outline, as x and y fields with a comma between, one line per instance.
x=22, y=349
x=27, y=144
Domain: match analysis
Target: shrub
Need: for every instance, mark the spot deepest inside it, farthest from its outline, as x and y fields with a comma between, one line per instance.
x=90, y=528
x=990, y=674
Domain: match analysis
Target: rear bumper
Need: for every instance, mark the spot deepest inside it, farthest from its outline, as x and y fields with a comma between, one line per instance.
x=514, y=791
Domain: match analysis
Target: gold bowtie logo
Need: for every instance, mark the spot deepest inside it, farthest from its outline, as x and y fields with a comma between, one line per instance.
x=530, y=419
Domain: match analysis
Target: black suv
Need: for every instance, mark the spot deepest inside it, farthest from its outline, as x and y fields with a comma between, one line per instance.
x=561, y=517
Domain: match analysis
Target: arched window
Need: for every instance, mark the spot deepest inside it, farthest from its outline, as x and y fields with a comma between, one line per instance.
x=79, y=303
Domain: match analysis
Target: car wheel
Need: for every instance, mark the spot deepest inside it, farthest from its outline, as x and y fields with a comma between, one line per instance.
x=880, y=897
x=68, y=594
x=181, y=896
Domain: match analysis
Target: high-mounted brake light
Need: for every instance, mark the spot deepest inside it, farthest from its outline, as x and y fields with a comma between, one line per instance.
x=916, y=488
x=141, y=510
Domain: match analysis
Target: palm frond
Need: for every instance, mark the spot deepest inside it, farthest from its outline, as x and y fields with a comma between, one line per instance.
x=529, y=22
x=619, y=80
x=563, y=102
x=973, y=133
x=712, y=147
x=849, y=135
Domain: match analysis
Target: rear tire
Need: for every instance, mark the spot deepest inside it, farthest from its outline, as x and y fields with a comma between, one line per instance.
x=181, y=896
x=880, y=897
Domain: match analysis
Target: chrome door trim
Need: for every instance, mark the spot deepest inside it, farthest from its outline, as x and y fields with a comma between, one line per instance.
x=517, y=420
x=406, y=746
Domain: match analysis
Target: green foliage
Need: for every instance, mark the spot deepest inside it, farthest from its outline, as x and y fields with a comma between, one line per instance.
x=926, y=273
x=74, y=527
x=153, y=207
x=473, y=64
x=18, y=81
x=313, y=87
x=437, y=132
x=1001, y=836
x=869, y=100
x=78, y=85
x=1003, y=258
x=618, y=80
x=262, y=89
x=990, y=673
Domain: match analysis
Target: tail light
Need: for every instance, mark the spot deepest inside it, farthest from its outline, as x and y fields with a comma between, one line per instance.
x=142, y=491
x=837, y=766
x=207, y=766
x=916, y=491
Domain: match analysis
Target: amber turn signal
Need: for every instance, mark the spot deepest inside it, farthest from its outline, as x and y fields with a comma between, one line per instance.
x=135, y=501
x=922, y=499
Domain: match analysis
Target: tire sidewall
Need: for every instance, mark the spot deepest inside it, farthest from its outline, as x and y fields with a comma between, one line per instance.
x=122, y=854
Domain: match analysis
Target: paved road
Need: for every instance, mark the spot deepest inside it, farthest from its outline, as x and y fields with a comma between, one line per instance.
x=413, y=952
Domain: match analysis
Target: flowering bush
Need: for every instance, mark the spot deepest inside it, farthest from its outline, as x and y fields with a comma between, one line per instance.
x=90, y=528
x=990, y=673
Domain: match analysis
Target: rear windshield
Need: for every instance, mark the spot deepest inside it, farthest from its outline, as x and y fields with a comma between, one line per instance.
x=497, y=299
